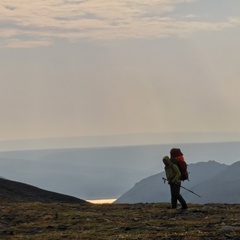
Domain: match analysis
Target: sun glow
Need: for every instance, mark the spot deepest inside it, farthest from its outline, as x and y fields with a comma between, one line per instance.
x=101, y=201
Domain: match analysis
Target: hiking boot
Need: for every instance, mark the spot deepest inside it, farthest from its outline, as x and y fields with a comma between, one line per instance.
x=184, y=207
x=170, y=207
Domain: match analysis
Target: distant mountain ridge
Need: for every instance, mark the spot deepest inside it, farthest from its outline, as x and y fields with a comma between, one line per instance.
x=214, y=182
x=107, y=172
x=221, y=188
x=13, y=191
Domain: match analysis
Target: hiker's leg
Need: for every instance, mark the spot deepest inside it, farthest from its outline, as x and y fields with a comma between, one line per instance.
x=180, y=198
x=174, y=195
x=182, y=201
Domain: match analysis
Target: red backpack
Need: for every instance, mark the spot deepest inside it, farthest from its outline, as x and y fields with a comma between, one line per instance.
x=178, y=159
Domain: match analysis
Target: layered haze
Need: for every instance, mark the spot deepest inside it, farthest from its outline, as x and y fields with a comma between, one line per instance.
x=107, y=172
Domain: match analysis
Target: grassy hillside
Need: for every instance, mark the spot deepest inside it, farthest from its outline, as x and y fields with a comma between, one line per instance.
x=117, y=221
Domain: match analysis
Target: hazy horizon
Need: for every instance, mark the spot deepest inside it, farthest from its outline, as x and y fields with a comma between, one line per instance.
x=118, y=140
x=104, y=172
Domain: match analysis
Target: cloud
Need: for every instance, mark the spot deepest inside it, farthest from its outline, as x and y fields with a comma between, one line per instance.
x=39, y=23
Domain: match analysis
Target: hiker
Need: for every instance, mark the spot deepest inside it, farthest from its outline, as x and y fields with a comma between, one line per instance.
x=173, y=175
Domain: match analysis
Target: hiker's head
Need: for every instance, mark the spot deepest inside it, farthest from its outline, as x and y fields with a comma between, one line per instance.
x=166, y=161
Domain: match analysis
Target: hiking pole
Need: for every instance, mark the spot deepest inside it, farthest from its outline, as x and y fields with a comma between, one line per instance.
x=164, y=179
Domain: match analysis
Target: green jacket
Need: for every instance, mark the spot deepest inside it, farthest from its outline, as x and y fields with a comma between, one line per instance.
x=172, y=171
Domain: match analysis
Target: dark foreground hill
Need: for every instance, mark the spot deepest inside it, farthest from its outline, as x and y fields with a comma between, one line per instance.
x=47, y=221
x=13, y=191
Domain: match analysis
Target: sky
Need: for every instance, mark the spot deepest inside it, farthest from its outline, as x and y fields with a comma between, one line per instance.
x=96, y=68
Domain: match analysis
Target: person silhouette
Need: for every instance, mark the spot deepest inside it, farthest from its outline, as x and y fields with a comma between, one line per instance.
x=173, y=176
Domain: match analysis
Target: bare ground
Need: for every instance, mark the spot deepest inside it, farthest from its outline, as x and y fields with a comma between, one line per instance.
x=55, y=221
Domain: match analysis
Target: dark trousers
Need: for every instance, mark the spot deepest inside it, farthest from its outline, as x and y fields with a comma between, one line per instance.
x=176, y=196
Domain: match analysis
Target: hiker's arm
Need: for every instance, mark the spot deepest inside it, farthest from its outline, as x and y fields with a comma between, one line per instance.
x=177, y=177
x=167, y=175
